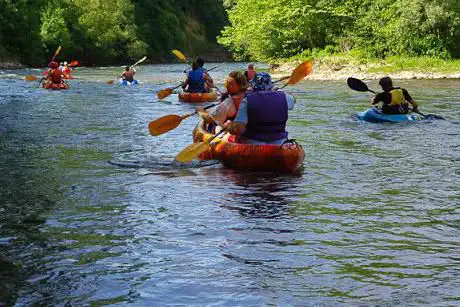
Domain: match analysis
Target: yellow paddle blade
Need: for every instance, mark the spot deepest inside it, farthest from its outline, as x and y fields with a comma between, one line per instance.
x=179, y=55
x=301, y=72
x=164, y=124
x=164, y=93
x=56, y=53
x=191, y=152
x=31, y=78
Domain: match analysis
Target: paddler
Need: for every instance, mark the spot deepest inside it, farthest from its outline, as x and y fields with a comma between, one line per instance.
x=250, y=73
x=196, y=80
x=128, y=74
x=262, y=115
x=395, y=100
x=236, y=85
x=209, y=84
x=66, y=70
x=54, y=74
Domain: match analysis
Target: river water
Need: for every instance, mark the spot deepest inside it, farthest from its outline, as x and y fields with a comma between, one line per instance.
x=92, y=212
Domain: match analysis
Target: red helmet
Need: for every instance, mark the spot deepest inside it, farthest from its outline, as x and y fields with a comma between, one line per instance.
x=53, y=64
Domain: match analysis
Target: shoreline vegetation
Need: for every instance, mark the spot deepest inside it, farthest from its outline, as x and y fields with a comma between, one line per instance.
x=405, y=39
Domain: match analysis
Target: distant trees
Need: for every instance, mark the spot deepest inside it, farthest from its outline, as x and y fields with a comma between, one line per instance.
x=103, y=31
x=265, y=30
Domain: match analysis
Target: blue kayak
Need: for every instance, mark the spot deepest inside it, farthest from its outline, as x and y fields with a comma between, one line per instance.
x=124, y=82
x=375, y=116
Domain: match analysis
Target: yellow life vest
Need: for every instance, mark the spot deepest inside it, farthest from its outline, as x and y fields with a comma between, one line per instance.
x=397, y=97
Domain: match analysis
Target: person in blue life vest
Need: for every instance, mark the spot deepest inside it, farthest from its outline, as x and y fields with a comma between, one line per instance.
x=197, y=80
x=262, y=115
x=395, y=100
x=209, y=84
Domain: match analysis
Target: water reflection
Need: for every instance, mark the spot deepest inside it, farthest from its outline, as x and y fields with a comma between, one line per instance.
x=261, y=195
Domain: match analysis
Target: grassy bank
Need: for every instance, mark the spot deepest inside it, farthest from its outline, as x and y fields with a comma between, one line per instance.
x=343, y=65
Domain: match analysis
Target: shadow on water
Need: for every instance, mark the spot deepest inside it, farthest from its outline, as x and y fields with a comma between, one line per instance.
x=27, y=194
x=261, y=195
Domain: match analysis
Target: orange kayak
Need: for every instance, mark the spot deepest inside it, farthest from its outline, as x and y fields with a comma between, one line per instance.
x=286, y=158
x=197, y=97
x=55, y=86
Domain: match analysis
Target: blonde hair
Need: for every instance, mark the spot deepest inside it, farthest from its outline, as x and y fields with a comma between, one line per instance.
x=240, y=80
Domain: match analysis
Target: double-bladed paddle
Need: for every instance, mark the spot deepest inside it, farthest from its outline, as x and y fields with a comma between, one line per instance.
x=34, y=78
x=360, y=86
x=162, y=94
x=132, y=66
x=192, y=151
x=169, y=122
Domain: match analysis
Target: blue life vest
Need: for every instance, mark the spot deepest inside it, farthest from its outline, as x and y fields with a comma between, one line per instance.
x=267, y=116
x=196, y=81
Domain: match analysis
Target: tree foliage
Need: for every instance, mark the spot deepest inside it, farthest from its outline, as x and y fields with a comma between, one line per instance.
x=103, y=31
x=266, y=30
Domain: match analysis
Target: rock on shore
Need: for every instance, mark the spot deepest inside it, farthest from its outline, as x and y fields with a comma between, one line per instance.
x=330, y=71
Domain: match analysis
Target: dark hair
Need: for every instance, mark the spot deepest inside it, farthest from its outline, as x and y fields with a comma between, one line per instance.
x=128, y=68
x=195, y=66
x=200, y=62
x=386, y=82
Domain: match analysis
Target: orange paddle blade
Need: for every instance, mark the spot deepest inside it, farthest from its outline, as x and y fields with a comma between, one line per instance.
x=164, y=124
x=164, y=93
x=73, y=63
x=30, y=78
x=110, y=81
x=301, y=72
x=191, y=152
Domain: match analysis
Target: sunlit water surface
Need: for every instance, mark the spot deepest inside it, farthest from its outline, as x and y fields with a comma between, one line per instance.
x=92, y=212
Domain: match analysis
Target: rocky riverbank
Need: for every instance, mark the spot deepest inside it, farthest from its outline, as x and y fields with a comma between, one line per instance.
x=7, y=61
x=330, y=70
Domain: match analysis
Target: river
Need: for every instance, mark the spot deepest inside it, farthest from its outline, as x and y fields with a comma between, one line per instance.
x=92, y=212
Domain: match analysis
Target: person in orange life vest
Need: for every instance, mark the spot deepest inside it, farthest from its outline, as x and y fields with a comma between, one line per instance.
x=395, y=99
x=236, y=85
x=250, y=73
x=262, y=116
x=196, y=79
x=54, y=74
x=66, y=69
x=128, y=74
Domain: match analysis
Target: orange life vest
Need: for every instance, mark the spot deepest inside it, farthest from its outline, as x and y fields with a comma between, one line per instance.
x=55, y=76
x=66, y=70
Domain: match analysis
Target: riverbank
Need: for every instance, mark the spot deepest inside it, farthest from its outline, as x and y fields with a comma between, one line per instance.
x=342, y=66
x=7, y=62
